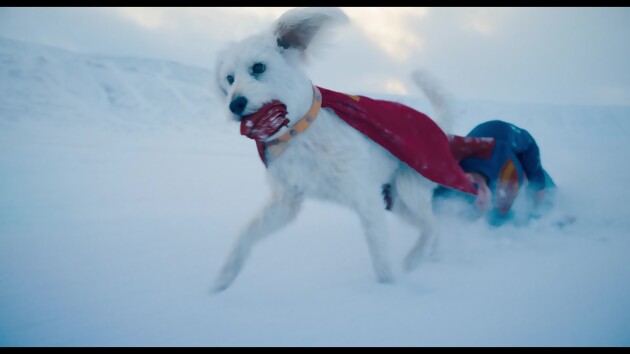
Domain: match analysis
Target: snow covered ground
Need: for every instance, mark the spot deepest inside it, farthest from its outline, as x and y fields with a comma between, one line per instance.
x=122, y=186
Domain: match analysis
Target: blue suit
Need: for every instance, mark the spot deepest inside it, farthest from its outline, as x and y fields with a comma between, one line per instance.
x=513, y=160
x=511, y=144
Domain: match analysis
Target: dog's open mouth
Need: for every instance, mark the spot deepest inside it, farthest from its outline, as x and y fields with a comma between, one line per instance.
x=267, y=121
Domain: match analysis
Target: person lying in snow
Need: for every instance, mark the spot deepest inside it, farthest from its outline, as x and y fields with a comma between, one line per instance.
x=500, y=158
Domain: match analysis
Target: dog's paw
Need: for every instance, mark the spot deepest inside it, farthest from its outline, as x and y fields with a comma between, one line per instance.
x=384, y=275
x=224, y=280
x=386, y=280
x=220, y=286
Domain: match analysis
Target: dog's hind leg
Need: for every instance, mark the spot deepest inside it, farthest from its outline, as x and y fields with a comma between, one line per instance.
x=412, y=195
x=281, y=210
x=373, y=220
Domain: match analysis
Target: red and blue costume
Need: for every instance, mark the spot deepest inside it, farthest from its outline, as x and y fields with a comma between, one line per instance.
x=506, y=155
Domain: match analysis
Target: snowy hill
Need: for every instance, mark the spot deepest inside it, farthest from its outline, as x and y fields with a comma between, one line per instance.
x=123, y=186
x=47, y=83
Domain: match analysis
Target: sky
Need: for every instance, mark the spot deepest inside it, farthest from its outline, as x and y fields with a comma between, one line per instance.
x=528, y=55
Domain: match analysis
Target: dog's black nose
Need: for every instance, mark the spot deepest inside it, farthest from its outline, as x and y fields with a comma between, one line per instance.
x=237, y=106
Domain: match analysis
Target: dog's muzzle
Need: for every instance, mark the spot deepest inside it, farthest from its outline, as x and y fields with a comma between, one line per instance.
x=267, y=121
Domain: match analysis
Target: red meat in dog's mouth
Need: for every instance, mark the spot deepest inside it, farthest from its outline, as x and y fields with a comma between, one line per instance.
x=265, y=122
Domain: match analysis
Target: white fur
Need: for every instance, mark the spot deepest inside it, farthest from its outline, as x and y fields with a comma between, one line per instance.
x=438, y=97
x=330, y=161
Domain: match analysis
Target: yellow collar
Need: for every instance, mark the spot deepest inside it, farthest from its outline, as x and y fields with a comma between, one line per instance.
x=277, y=146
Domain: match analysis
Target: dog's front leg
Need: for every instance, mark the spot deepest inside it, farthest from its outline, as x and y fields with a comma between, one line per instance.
x=281, y=209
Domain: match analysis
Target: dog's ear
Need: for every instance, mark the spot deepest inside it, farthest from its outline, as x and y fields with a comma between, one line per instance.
x=296, y=28
x=219, y=87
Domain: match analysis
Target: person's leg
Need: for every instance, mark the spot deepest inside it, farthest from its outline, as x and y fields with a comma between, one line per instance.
x=496, y=219
x=541, y=201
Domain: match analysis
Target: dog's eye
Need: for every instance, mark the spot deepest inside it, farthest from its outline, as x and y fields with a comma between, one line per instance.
x=258, y=68
x=230, y=79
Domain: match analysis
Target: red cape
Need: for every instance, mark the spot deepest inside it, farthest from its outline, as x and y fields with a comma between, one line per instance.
x=466, y=146
x=407, y=134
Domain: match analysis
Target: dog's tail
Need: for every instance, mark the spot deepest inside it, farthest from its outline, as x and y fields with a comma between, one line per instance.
x=439, y=99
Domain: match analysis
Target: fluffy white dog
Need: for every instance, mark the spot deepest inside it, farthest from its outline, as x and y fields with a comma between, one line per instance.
x=327, y=160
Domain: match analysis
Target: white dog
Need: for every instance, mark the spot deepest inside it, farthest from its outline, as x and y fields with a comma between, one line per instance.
x=311, y=152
